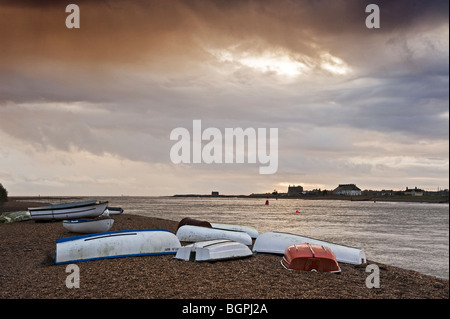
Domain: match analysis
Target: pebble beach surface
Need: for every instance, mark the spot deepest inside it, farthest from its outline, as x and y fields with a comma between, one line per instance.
x=28, y=271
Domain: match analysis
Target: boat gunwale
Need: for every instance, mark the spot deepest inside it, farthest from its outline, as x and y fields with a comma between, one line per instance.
x=108, y=234
x=114, y=256
x=321, y=240
x=66, y=205
x=81, y=221
x=56, y=213
x=217, y=242
x=221, y=229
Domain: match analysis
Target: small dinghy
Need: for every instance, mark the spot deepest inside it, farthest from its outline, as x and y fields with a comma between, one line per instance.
x=76, y=210
x=88, y=226
x=276, y=243
x=309, y=257
x=213, y=250
x=123, y=243
x=189, y=233
x=196, y=222
x=247, y=229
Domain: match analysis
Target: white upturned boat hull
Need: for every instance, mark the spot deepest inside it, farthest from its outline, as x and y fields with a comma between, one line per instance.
x=276, y=243
x=88, y=226
x=213, y=250
x=125, y=243
x=77, y=210
x=247, y=229
x=191, y=233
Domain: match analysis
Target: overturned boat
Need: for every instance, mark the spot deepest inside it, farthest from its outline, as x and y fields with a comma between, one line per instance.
x=86, y=209
x=213, y=250
x=88, y=226
x=123, y=243
x=204, y=223
x=276, y=243
x=310, y=257
x=190, y=233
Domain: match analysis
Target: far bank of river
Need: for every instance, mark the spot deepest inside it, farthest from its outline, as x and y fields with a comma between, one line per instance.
x=389, y=198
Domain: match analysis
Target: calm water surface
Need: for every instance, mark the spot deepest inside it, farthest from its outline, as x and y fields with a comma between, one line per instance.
x=409, y=235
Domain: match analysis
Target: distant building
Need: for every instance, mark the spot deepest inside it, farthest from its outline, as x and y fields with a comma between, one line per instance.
x=414, y=192
x=214, y=193
x=387, y=192
x=295, y=190
x=347, y=189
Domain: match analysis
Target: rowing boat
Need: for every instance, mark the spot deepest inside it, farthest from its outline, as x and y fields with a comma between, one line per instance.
x=310, y=257
x=116, y=244
x=195, y=222
x=190, y=233
x=74, y=210
x=88, y=226
x=276, y=243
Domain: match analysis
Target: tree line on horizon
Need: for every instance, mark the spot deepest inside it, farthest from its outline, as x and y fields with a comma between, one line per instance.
x=3, y=194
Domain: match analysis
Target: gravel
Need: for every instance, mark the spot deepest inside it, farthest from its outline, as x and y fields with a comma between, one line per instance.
x=27, y=270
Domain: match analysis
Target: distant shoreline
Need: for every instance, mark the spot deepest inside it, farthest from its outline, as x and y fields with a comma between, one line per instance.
x=368, y=198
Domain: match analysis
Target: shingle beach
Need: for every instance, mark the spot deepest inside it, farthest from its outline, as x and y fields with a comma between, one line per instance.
x=28, y=271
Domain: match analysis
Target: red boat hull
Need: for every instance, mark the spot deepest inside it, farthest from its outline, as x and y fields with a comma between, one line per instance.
x=308, y=257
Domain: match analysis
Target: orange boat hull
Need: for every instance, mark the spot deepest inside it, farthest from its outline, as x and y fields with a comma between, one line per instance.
x=308, y=257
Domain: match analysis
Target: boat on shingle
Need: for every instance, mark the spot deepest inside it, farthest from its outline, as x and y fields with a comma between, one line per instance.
x=204, y=223
x=310, y=257
x=276, y=243
x=116, y=244
x=88, y=226
x=74, y=210
x=190, y=233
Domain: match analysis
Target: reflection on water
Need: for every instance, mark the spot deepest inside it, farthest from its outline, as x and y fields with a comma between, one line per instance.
x=408, y=235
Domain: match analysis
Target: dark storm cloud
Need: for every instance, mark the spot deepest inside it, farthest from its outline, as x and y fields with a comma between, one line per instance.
x=135, y=70
x=121, y=30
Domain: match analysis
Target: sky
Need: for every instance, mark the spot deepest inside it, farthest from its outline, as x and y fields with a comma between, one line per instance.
x=89, y=111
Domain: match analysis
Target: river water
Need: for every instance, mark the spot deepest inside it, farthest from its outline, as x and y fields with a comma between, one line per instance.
x=408, y=235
